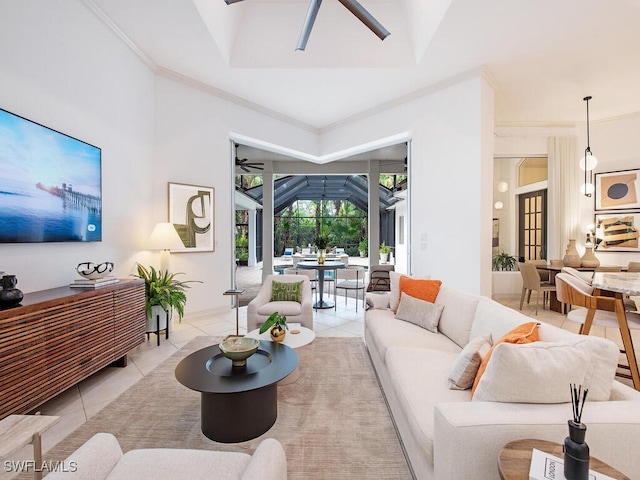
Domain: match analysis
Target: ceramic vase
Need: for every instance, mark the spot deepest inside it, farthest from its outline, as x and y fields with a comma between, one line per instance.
x=589, y=259
x=576, y=453
x=321, y=256
x=10, y=295
x=571, y=257
x=277, y=333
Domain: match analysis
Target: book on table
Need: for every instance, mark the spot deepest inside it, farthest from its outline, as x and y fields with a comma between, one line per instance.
x=548, y=467
x=96, y=283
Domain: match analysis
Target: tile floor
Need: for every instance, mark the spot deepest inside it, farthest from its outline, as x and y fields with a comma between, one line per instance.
x=81, y=402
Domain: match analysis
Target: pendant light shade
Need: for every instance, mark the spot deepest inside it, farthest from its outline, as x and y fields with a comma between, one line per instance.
x=588, y=162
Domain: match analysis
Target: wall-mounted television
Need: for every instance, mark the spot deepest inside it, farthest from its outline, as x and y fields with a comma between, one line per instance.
x=50, y=184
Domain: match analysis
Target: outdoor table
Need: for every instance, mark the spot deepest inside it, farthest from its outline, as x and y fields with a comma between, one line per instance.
x=327, y=265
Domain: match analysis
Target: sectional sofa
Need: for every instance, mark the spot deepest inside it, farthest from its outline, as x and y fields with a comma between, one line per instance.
x=447, y=434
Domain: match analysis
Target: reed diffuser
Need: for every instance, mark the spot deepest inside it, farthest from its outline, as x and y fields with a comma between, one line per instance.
x=576, y=451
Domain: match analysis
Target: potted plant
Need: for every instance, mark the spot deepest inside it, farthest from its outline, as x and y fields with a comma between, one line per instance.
x=385, y=250
x=278, y=325
x=321, y=242
x=163, y=293
x=363, y=247
x=503, y=262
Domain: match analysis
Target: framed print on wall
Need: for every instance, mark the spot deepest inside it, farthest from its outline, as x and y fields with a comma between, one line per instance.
x=191, y=211
x=617, y=232
x=617, y=190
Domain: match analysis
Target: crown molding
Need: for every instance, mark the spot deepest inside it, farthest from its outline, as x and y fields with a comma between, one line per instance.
x=117, y=31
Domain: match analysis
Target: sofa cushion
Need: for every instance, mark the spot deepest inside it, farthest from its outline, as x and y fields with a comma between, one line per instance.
x=525, y=333
x=458, y=315
x=422, y=288
x=283, y=308
x=465, y=368
x=494, y=319
x=161, y=463
x=286, y=291
x=540, y=372
x=419, y=379
x=419, y=312
x=394, y=298
x=384, y=331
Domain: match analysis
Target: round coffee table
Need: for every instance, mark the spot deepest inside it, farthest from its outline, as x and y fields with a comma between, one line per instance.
x=293, y=340
x=514, y=460
x=237, y=404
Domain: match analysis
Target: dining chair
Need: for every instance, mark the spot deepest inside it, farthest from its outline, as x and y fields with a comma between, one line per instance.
x=531, y=283
x=599, y=310
x=350, y=278
x=544, y=274
x=313, y=280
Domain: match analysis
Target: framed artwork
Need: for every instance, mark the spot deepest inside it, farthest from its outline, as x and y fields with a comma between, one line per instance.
x=617, y=231
x=617, y=190
x=191, y=211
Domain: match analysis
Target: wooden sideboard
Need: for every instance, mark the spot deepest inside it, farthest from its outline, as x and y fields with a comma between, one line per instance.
x=58, y=337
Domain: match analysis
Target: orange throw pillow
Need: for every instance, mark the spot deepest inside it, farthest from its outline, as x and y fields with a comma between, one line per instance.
x=525, y=333
x=421, y=288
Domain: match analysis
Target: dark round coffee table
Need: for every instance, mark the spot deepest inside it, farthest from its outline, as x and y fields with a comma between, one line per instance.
x=237, y=404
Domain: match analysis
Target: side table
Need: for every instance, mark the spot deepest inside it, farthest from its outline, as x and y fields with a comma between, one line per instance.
x=16, y=431
x=514, y=460
x=236, y=292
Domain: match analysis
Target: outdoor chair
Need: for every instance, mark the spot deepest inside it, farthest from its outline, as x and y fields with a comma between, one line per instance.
x=531, y=282
x=261, y=307
x=308, y=273
x=379, y=280
x=350, y=278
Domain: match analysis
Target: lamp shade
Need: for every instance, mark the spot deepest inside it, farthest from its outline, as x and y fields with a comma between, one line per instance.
x=587, y=189
x=588, y=162
x=164, y=237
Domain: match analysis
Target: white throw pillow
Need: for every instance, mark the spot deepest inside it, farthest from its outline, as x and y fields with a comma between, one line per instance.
x=464, y=370
x=540, y=372
x=420, y=312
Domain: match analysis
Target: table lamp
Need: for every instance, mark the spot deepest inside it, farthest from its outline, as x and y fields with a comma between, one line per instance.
x=164, y=237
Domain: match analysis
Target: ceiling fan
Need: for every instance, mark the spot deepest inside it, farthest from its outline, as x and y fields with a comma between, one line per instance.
x=245, y=164
x=352, y=5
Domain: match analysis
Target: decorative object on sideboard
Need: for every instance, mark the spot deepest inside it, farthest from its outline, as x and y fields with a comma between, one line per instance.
x=571, y=257
x=10, y=295
x=576, y=451
x=239, y=349
x=94, y=271
x=278, y=325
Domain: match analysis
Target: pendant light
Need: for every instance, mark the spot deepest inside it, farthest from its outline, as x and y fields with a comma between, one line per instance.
x=588, y=162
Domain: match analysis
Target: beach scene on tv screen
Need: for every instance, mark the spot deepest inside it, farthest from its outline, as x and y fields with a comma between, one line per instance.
x=50, y=185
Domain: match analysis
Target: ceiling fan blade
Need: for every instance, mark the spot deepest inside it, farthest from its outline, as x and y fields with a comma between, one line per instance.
x=314, y=6
x=244, y=168
x=256, y=167
x=229, y=2
x=365, y=17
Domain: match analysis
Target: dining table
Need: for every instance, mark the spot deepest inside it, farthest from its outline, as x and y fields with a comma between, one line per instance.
x=621, y=284
x=321, y=268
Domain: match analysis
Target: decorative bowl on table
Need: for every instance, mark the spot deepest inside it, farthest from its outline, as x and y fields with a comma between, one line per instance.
x=94, y=271
x=238, y=349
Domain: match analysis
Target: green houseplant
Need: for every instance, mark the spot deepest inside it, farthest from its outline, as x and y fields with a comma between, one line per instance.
x=363, y=247
x=385, y=250
x=278, y=325
x=164, y=290
x=321, y=242
x=503, y=262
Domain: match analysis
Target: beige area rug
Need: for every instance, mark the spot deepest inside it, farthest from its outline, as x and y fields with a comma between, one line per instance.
x=333, y=422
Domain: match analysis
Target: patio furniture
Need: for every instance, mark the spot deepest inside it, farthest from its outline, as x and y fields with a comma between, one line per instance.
x=379, y=280
x=350, y=278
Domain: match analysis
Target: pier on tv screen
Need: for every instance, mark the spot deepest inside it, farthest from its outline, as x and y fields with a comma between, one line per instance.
x=50, y=185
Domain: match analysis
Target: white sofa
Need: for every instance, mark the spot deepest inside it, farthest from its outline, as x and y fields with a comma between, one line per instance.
x=447, y=435
x=101, y=458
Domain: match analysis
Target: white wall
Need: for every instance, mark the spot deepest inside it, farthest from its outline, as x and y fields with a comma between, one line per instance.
x=451, y=157
x=61, y=68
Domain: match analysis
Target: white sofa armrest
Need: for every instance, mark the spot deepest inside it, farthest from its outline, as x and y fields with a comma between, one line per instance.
x=94, y=460
x=468, y=436
x=268, y=461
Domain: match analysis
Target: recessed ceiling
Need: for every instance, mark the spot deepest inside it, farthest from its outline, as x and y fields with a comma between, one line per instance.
x=544, y=55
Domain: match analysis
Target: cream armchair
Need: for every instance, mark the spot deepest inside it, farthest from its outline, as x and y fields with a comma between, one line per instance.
x=261, y=307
